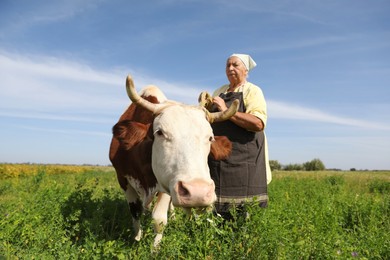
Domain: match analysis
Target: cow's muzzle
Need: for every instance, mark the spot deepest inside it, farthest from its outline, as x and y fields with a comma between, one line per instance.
x=194, y=193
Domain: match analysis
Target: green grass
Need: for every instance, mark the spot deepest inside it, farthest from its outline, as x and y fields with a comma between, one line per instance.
x=311, y=215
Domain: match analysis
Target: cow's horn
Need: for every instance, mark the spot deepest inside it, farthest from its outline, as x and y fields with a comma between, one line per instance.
x=137, y=99
x=205, y=100
x=223, y=115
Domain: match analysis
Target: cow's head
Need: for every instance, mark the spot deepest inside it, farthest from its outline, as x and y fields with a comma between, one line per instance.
x=182, y=140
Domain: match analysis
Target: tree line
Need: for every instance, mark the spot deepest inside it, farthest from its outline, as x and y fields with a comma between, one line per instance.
x=313, y=165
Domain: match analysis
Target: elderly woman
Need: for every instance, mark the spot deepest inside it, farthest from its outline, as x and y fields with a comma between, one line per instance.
x=245, y=174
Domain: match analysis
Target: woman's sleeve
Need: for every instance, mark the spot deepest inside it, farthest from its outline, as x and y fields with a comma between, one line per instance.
x=219, y=91
x=255, y=103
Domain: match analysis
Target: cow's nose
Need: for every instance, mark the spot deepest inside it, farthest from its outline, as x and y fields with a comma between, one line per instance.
x=195, y=193
x=182, y=189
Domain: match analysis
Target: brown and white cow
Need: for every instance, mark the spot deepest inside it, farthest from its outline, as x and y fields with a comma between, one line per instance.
x=161, y=147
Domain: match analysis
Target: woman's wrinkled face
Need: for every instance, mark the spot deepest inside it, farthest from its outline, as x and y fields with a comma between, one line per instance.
x=236, y=71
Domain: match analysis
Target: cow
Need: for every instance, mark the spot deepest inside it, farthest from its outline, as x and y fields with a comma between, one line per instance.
x=159, y=150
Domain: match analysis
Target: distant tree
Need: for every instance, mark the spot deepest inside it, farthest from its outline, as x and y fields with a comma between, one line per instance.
x=353, y=169
x=275, y=165
x=314, y=165
x=293, y=167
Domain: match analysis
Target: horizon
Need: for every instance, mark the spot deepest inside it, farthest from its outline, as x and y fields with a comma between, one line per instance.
x=324, y=69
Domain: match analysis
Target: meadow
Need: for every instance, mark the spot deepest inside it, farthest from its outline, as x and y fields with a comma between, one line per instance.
x=79, y=212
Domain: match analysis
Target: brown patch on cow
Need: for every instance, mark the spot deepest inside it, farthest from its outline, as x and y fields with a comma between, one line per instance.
x=131, y=146
x=220, y=148
x=130, y=133
x=135, y=162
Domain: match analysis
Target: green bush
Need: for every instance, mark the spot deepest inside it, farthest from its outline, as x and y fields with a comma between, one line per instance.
x=275, y=165
x=314, y=165
x=293, y=167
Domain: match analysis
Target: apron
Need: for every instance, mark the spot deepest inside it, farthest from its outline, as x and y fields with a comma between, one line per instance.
x=242, y=176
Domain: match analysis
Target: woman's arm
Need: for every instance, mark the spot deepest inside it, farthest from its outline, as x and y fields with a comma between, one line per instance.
x=248, y=121
x=244, y=120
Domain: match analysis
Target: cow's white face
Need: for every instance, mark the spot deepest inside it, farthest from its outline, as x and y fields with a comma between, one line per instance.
x=182, y=139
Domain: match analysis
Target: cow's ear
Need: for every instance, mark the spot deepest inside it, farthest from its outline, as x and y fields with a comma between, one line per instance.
x=150, y=134
x=220, y=148
x=129, y=133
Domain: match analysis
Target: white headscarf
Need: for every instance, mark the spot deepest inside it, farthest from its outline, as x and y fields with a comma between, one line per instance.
x=246, y=59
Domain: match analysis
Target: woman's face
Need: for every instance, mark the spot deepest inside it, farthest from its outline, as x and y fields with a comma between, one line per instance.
x=235, y=70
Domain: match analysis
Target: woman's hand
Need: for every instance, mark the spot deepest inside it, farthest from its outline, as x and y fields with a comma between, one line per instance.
x=219, y=103
x=244, y=120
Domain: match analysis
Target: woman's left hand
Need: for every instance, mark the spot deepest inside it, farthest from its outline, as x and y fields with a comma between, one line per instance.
x=220, y=103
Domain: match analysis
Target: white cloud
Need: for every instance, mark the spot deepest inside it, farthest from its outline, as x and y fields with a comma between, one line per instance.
x=305, y=43
x=51, y=67
x=37, y=84
x=59, y=89
x=56, y=117
x=282, y=110
x=67, y=132
x=43, y=12
x=281, y=9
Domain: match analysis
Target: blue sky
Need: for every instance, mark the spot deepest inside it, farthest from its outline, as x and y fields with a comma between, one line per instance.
x=324, y=68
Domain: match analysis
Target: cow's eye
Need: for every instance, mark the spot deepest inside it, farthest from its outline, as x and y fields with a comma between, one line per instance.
x=159, y=132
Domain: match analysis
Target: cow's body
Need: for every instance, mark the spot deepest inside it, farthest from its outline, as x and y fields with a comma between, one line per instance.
x=163, y=150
